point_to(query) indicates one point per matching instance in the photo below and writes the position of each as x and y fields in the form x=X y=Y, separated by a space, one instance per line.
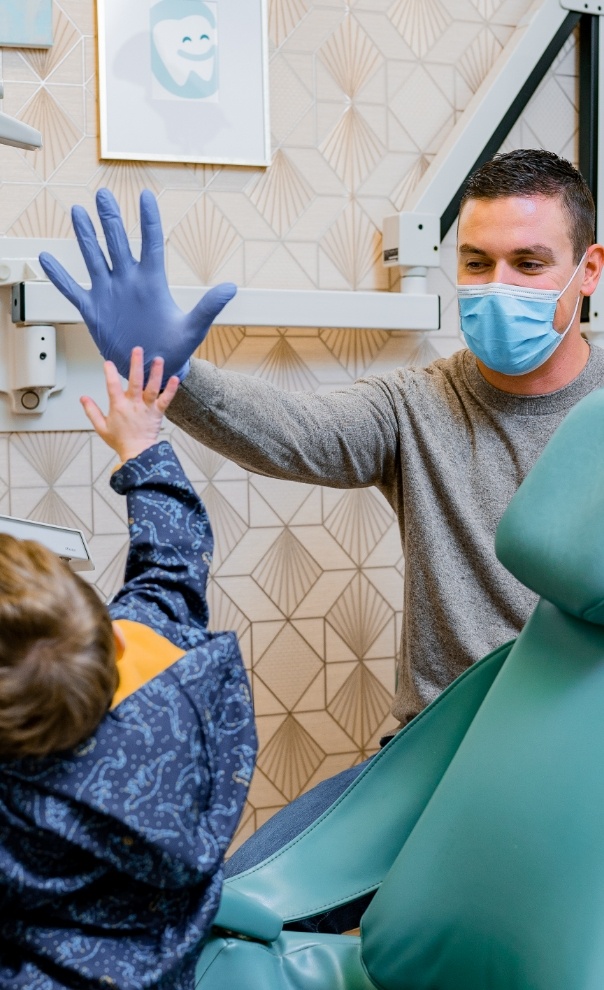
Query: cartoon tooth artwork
x=184 y=48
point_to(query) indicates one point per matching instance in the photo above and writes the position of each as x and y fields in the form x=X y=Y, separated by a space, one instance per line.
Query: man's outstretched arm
x=346 y=439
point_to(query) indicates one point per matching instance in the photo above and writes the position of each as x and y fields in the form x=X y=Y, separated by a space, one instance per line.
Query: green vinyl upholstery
x=487 y=846
x=502 y=880
x=294 y=961
x=501 y=885
x=348 y=851
x=551 y=536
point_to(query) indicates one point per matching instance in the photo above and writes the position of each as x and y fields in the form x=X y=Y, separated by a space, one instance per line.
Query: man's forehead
x=537 y=199
x=525 y=222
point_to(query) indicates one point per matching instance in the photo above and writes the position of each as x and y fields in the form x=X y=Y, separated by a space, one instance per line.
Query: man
x=448 y=445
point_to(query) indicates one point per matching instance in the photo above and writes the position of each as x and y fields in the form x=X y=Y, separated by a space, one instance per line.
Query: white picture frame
x=184 y=81
x=26 y=23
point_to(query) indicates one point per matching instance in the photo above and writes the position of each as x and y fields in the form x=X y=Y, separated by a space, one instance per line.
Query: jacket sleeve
x=347 y=438
x=170 y=548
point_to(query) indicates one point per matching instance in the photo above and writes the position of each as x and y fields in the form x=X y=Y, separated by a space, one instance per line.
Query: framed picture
x=184 y=81
x=26 y=23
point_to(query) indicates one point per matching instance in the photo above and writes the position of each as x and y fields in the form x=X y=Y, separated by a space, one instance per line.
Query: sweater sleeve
x=345 y=439
x=170 y=549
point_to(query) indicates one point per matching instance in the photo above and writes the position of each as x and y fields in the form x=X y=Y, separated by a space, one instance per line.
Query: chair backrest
x=551 y=536
x=500 y=885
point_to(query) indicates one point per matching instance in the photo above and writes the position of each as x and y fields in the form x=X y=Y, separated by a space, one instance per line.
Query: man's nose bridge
x=502 y=272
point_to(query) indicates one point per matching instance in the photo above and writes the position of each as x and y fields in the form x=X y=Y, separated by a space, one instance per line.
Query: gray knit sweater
x=447 y=450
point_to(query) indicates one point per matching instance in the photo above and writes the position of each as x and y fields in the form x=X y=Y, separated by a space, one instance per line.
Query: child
x=127 y=738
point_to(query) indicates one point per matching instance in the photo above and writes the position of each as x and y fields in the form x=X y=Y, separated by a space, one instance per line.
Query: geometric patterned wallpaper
x=362 y=96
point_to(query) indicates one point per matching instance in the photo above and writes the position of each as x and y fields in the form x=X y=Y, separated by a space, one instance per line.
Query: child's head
x=58 y=668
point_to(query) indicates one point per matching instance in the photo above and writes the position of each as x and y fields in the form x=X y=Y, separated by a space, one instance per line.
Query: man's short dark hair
x=535 y=172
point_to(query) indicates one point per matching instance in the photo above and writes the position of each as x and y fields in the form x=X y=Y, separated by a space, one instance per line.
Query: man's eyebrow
x=470 y=249
x=540 y=250
x=537 y=250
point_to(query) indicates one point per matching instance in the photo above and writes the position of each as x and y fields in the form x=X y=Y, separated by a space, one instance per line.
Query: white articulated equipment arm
x=463 y=146
x=483 y=124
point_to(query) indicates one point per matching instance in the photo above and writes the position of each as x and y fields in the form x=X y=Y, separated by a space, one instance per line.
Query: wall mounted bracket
x=37 y=302
x=28 y=299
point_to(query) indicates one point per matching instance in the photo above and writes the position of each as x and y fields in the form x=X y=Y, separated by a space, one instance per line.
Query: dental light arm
x=17 y=134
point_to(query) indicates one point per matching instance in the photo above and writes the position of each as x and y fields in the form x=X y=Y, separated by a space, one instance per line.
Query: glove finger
x=96 y=263
x=209 y=306
x=63 y=281
x=115 y=233
x=152 y=248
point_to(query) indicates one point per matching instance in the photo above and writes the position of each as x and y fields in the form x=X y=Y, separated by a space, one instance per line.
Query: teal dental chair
x=481 y=824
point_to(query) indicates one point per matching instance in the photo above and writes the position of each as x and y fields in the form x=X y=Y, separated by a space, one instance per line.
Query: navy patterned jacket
x=111 y=856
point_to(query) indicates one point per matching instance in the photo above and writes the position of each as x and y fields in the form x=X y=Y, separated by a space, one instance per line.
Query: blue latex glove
x=129 y=304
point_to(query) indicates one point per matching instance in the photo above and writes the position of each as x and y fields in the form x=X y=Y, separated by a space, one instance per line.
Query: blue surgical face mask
x=509 y=327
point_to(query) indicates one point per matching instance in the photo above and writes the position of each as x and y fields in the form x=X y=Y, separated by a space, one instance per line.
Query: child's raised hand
x=135 y=414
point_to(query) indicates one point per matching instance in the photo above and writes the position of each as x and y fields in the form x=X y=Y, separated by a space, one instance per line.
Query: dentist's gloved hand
x=129 y=304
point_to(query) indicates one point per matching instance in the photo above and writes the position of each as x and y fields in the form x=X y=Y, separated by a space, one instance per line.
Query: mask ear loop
x=563 y=334
x=572 y=317
x=562 y=291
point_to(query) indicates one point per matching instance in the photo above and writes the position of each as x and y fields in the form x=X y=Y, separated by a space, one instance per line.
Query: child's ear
x=120 y=641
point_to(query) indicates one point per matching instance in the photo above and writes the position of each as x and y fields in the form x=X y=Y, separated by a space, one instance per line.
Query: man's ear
x=120 y=641
x=594 y=263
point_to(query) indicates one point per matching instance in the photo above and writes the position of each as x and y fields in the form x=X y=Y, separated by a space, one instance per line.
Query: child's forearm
x=171 y=541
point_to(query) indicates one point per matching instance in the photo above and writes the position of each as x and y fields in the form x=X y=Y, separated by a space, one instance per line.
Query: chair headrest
x=551 y=536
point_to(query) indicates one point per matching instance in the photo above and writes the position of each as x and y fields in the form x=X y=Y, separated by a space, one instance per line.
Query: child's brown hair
x=58 y=668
